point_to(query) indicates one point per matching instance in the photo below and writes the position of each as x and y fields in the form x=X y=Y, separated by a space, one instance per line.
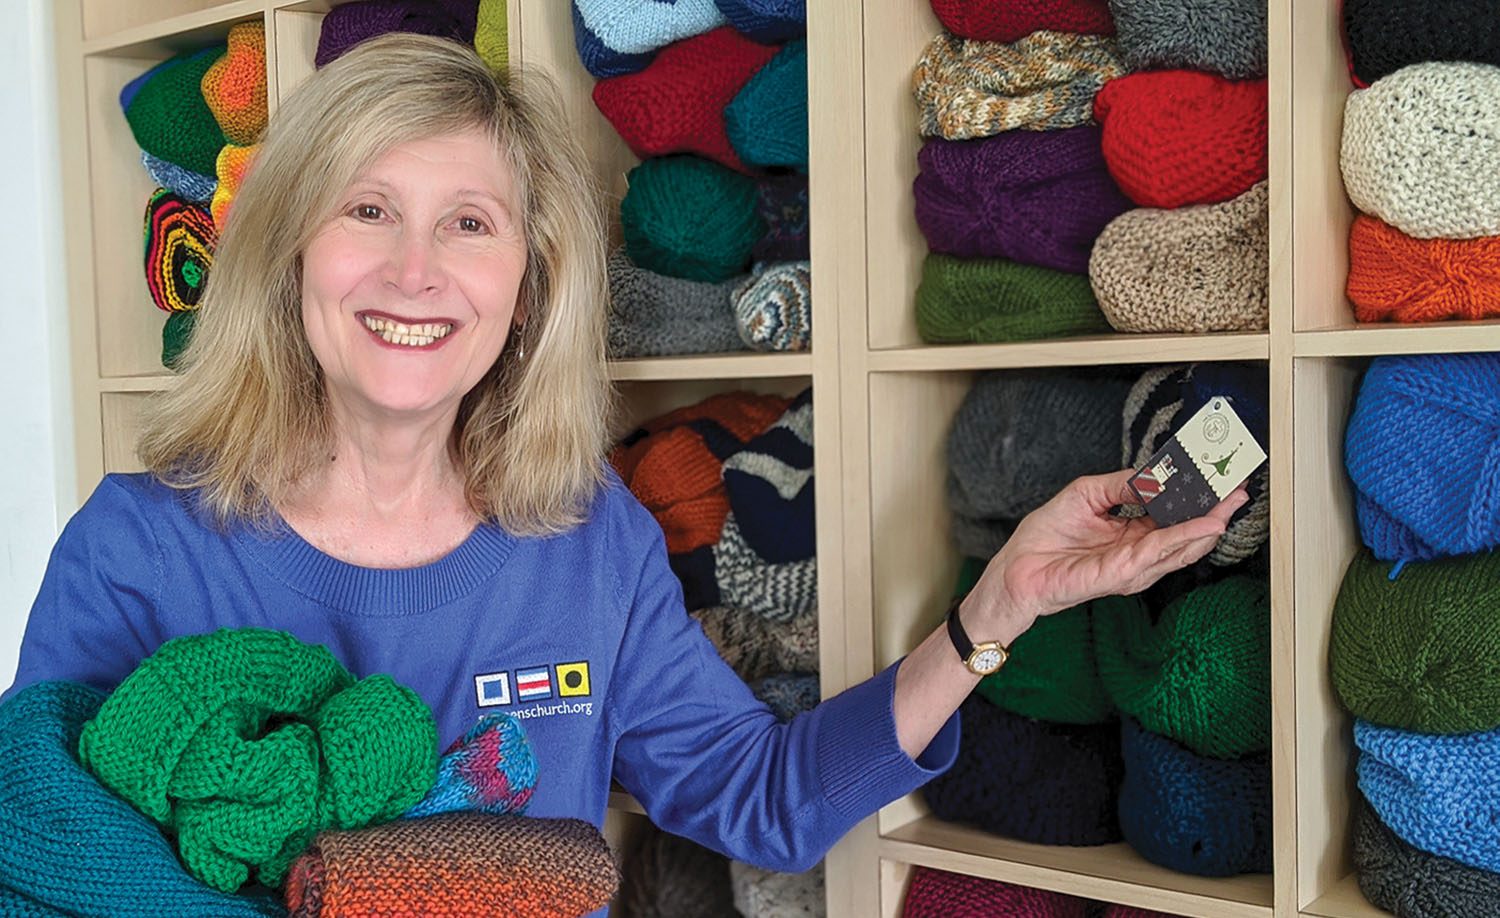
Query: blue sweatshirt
x=583 y=636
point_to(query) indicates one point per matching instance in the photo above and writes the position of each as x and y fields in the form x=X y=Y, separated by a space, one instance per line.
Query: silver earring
x=521 y=348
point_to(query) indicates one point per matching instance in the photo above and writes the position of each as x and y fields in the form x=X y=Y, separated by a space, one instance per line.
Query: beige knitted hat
x=1044 y=82
x=1421 y=150
x=1193 y=269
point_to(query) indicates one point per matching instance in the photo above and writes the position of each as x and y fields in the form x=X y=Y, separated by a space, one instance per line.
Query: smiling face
x=409 y=290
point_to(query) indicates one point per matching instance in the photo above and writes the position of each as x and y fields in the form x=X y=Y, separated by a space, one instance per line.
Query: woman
x=389 y=439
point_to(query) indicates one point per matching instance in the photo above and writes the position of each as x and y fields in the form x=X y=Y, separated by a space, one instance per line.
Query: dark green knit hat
x=687 y=217
x=1201 y=673
x=168 y=115
x=1421 y=652
x=245 y=744
x=989 y=300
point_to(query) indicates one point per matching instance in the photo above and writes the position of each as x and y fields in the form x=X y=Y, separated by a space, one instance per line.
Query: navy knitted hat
x=770 y=486
x=1208 y=817
x=769 y=22
x=616 y=37
x=1408 y=881
x=1439 y=413
x=1386 y=35
x=781 y=202
x=1053 y=784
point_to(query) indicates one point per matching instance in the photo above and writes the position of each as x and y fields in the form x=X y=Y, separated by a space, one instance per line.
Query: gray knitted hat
x=664 y=876
x=653 y=315
x=779 y=592
x=1412 y=883
x=754 y=646
x=765 y=894
x=773 y=308
x=1227 y=37
x=1195 y=269
x=1421 y=150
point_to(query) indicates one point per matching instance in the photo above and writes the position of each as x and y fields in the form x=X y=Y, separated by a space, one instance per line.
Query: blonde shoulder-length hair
x=249 y=414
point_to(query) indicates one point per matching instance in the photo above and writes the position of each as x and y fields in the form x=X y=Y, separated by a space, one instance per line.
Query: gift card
x=1203 y=461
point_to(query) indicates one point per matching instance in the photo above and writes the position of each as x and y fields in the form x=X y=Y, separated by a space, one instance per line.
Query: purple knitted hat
x=351 y=23
x=1038 y=197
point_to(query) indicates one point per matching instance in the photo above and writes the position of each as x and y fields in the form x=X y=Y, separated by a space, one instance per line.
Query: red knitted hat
x=676 y=105
x=1013 y=20
x=1393 y=277
x=1177 y=137
x=939 y=894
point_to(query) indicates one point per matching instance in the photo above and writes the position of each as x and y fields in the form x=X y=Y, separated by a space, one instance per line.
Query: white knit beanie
x=762 y=894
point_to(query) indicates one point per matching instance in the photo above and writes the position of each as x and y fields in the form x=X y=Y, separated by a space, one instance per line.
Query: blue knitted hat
x=187 y=184
x=616 y=37
x=1053 y=784
x=767 y=120
x=1438 y=793
x=770 y=486
x=1208 y=817
x=1439 y=414
x=769 y=22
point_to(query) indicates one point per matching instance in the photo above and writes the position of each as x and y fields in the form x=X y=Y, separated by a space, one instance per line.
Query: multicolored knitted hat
x=1037 y=197
x=1200 y=673
x=1227 y=37
x=490 y=769
x=754 y=646
x=773 y=308
x=939 y=894
x=677 y=104
x=1421 y=148
x=767 y=894
x=1409 y=882
x=180 y=242
x=189 y=185
x=1382 y=36
x=244 y=744
x=1436 y=412
x=168 y=115
x=767 y=119
x=987 y=21
x=1438 y=793
x=1421 y=652
x=767 y=21
x=235 y=86
x=234 y=164
x=781 y=201
x=770 y=486
x=1192 y=270
x=176 y=335
x=616 y=37
x=780 y=591
x=491 y=35
x=1045 y=81
x=1192 y=814
x=1175 y=137
x=72 y=847
x=1052 y=784
x=348 y=24
x=455 y=865
x=687 y=217
x=665 y=876
x=652 y=315
x=788 y=694
x=993 y=300
x=1393 y=277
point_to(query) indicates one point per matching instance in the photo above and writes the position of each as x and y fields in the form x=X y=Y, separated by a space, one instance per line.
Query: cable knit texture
x=766 y=894
x=755 y=647
x=938 y=894
x=1194 y=814
x=1409 y=882
x=1053 y=784
x=767 y=119
x=1175 y=137
x=687 y=217
x=1043 y=82
x=1385 y=35
x=994 y=300
x=1396 y=278
x=1191 y=270
x=1421 y=652
x=1438 y=413
x=1421 y=149
x=244 y=744
x=1227 y=37
x=1438 y=793
x=1036 y=197
x=986 y=20
x=766 y=21
x=773 y=308
x=1200 y=673
x=348 y=24
x=235 y=86
x=653 y=315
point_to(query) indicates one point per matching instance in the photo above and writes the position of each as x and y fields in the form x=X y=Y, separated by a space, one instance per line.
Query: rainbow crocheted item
x=180 y=242
x=235 y=86
x=490 y=769
x=233 y=163
x=686 y=217
x=766 y=121
x=244 y=744
x=168 y=115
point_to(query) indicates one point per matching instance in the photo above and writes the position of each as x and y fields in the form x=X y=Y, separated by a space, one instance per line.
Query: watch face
x=986 y=661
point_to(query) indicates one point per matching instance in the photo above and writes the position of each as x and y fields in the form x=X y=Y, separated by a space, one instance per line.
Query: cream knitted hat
x=765 y=894
x=1421 y=150
x=1193 y=269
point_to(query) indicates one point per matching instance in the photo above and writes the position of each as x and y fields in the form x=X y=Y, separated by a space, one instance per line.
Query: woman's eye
x=368 y=212
x=471 y=225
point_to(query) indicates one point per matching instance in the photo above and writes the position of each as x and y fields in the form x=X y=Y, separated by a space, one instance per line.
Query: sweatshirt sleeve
x=98 y=597
x=710 y=762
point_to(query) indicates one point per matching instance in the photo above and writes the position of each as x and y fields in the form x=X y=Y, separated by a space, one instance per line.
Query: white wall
x=37 y=489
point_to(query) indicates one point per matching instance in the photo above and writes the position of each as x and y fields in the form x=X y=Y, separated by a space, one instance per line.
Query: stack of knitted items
x=932 y=893
x=1185 y=137
x=711 y=95
x=1415 y=648
x=1012 y=189
x=1420 y=149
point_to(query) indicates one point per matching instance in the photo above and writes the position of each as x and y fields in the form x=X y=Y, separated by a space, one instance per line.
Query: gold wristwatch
x=982 y=659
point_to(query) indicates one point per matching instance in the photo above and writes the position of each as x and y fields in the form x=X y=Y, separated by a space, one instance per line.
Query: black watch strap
x=956 y=632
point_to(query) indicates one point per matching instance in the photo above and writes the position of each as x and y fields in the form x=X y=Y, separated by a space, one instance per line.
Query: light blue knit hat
x=616 y=37
x=767 y=119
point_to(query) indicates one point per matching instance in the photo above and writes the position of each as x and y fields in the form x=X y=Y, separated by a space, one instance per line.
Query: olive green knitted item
x=1201 y=673
x=687 y=217
x=491 y=38
x=993 y=300
x=245 y=744
x=1421 y=652
x=171 y=120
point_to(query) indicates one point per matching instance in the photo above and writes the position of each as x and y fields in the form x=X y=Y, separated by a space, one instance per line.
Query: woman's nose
x=416 y=266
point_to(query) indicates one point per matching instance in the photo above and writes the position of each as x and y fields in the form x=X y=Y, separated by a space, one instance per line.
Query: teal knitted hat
x=767 y=120
x=168 y=115
x=687 y=217
x=993 y=300
x=244 y=744
x=1201 y=673
x=176 y=334
x=1421 y=652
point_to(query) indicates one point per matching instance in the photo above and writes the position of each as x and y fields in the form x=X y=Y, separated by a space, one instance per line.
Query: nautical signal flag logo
x=533 y=684
x=572 y=679
x=492 y=689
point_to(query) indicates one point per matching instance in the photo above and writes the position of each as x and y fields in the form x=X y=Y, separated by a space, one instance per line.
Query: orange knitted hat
x=1396 y=278
x=235 y=86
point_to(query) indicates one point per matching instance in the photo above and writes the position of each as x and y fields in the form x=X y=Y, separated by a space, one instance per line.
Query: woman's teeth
x=411 y=335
